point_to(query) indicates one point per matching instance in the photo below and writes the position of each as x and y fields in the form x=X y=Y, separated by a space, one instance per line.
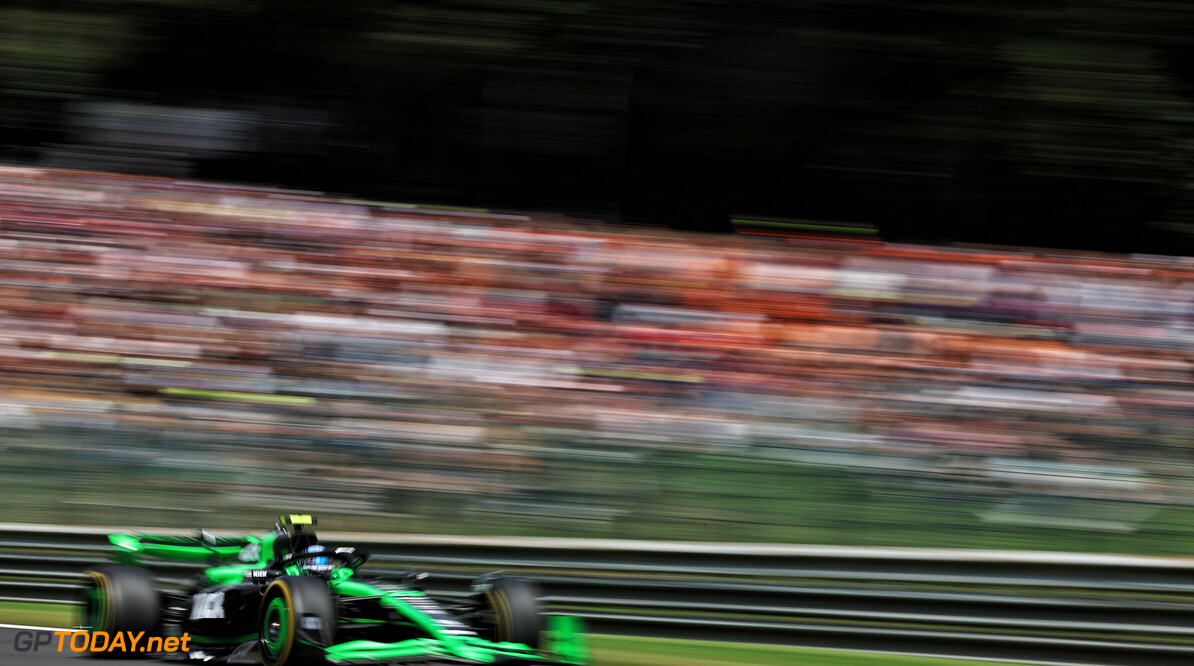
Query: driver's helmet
x=315 y=555
x=315 y=558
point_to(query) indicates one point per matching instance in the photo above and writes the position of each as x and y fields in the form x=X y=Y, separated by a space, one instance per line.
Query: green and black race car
x=284 y=599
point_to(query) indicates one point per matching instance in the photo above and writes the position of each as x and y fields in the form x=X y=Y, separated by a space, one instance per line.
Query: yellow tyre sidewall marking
x=105 y=587
x=284 y=654
x=501 y=616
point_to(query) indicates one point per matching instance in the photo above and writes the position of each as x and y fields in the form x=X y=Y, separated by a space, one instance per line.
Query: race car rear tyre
x=296 y=623
x=118 y=599
x=508 y=612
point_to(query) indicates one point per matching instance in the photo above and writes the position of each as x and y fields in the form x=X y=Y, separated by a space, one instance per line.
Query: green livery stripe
x=374 y=651
x=566 y=639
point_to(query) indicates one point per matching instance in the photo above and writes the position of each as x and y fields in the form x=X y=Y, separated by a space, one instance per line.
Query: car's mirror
x=352 y=557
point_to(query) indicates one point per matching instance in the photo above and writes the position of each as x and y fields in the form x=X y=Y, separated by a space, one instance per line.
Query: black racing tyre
x=120 y=599
x=508 y=611
x=296 y=622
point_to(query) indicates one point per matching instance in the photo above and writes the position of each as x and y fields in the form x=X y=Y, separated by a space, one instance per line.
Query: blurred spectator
x=459 y=345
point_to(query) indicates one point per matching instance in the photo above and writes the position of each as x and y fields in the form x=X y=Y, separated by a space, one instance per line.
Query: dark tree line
x=1064 y=123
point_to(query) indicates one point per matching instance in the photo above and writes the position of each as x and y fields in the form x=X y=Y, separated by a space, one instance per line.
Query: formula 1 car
x=283 y=599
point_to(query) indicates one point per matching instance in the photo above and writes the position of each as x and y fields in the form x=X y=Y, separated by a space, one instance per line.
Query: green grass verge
x=610 y=650
x=633 y=651
x=37 y=615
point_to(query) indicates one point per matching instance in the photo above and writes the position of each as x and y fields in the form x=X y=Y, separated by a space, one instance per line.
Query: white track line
x=31 y=627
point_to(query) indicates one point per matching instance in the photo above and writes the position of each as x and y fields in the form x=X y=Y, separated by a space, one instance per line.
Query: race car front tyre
x=296 y=623
x=508 y=611
x=118 y=599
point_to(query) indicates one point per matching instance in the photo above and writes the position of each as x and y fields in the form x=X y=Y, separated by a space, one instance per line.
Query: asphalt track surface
x=48 y=655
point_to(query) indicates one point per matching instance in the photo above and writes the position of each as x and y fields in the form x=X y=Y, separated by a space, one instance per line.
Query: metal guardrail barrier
x=1039 y=607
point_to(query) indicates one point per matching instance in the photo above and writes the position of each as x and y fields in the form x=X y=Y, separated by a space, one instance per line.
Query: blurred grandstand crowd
x=376 y=356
